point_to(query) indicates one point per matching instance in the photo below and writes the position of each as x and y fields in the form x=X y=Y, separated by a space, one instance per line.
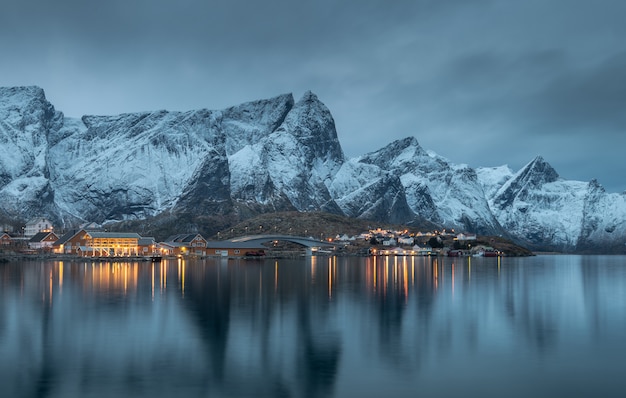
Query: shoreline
x=6 y=258
x=11 y=257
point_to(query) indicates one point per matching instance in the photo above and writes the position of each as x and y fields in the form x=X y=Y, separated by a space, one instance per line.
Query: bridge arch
x=300 y=240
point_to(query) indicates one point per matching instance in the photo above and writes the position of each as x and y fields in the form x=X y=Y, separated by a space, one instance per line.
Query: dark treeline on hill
x=318 y=225
x=313 y=224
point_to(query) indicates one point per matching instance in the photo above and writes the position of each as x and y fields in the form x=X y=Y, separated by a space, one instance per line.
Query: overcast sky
x=482 y=82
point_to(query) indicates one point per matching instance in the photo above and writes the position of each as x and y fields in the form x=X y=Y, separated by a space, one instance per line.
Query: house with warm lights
x=406 y=240
x=5 y=239
x=234 y=249
x=465 y=237
x=70 y=242
x=96 y=243
x=113 y=243
x=42 y=240
x=184 y=245
x=146 y=246
x=36 y=225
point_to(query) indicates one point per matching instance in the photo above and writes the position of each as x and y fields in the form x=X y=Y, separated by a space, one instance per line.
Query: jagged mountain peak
x=312 y=124
x=402 y=153
x=445 y=193
x=399 y=146
x=533 y=176
x=251 y=111
x=538 y=172
x=18 y=94
x=26 y=121
x=309 y=96
x=24 y=105
x=404 y=144
x=595 y=186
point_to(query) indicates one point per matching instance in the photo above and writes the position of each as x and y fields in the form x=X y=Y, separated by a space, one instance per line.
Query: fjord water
x=542 y=326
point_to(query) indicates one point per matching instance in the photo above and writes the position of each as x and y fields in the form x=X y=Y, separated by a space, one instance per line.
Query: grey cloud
x=459 y=75
x=592 y=98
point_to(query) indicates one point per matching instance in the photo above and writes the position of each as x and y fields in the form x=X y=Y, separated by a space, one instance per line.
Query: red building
x=5 y=239
x=183 y=245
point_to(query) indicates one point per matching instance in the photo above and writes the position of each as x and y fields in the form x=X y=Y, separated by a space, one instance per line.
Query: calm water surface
x=544 y=326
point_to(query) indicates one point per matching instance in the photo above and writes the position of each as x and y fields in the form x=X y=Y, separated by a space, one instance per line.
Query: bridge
x=309 y=243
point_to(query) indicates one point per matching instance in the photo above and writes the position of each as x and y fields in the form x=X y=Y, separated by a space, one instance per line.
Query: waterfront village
x=38 y=237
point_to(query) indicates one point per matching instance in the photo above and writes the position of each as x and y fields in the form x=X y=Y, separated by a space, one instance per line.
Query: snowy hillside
x=537 y=206
x=492 y=178
x=26 y=120
x=435 y=189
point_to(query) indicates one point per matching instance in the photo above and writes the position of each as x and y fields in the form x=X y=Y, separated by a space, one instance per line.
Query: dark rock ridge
x=273 y=155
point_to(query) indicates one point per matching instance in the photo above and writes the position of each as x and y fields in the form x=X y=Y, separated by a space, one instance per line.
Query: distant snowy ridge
x=272 y=155
x=541 y=209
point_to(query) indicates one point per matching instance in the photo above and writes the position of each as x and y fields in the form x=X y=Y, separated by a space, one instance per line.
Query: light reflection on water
x=317 y=327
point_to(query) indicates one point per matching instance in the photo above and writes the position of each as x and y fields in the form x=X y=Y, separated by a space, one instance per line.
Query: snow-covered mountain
x=272 y=155
x=543 y=210
x=26 y=123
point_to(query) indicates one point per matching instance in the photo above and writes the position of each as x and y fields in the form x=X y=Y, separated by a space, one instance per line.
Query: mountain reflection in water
x=315 y=327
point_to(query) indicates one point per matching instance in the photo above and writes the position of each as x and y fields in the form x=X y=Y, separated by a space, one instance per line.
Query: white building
x=389 y=242
x=406 y=240
x=37 y=225
x=466 y=237
x=42 y=240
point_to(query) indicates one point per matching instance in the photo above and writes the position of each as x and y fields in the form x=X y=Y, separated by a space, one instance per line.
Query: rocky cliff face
x=416 y=185
x=542 y=210
x=27 y=121
x=273 y=155
x=292 y=164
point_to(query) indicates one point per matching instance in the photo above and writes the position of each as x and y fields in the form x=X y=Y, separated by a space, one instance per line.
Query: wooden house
x=406 y=240
x=5 y=239
x=92 y=243
x=183 y=245
x=71 y=242
x=36 y=225
x=42 y=240
x=227 y=248
x=146 y=246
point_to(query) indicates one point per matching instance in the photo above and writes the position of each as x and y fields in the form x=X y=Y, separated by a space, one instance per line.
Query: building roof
x=40 y=236
x=183 y=237
x=67 y=236
x=122 y=235
x=172 y=244
x=145 y=241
